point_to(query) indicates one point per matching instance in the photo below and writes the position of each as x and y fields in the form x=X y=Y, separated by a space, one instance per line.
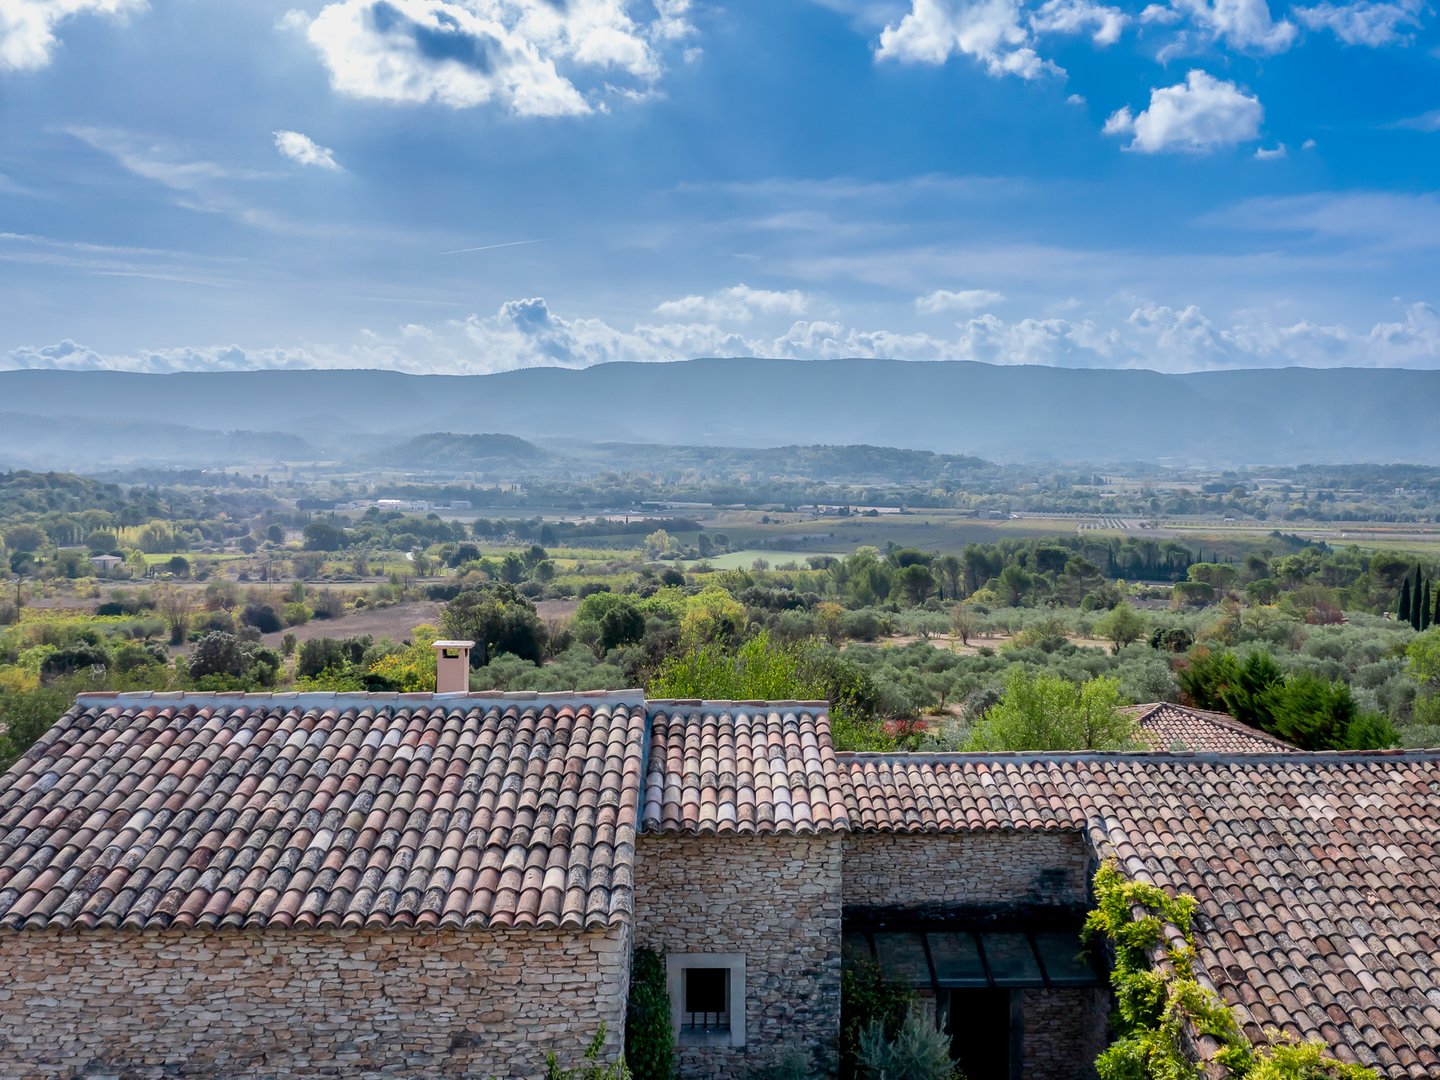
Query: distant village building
x=435 y=885
x=105 y=565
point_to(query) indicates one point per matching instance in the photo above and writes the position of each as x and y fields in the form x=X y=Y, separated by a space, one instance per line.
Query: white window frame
x=676 y=964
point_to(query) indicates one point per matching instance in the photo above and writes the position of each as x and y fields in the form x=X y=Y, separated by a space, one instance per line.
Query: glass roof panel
x=1011 y=960
x=903 y=956
x=957 y=960
x=1060 y=953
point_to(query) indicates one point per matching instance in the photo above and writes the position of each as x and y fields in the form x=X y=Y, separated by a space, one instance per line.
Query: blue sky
x=480 y=185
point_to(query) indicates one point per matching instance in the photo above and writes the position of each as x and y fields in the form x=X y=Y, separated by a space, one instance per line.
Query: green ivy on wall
x=1159 y=1007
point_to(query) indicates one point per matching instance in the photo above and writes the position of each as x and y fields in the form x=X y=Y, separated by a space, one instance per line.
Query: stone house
x=452 y=884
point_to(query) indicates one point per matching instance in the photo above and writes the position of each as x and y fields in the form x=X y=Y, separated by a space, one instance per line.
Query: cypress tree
x=1405 y=599
x=1415 y=601
x=1425 y=607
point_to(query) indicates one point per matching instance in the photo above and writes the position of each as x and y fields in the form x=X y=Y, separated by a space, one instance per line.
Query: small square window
x=707 y=998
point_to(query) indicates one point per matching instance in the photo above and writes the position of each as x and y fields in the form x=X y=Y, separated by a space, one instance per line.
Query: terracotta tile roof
x=1317 y=875
x=742 y=767
x=1178 y=727
x=321 y=810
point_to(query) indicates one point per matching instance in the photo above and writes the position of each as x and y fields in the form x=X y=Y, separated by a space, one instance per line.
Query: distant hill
x=52 y=438
x=445 y=451
x=840 y=464
x=1281 y=416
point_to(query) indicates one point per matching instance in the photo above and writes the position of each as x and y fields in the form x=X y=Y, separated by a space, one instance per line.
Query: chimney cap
x=454 y=645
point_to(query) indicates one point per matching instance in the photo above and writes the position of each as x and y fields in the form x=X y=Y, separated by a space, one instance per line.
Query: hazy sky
x=478 y=185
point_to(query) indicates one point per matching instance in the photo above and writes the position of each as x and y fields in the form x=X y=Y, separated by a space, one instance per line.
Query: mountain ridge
x=1022 y=412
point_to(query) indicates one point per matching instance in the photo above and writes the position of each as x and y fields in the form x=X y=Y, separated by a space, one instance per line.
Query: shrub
x=262 y=617
x=294 y=614
x=868 y=998
x=217 y=653
x=26 y=715
x=649 y=1038
x=72 y=658
x=916 y=1052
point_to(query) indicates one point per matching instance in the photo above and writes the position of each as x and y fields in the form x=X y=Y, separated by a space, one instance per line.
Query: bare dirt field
x=381 y=622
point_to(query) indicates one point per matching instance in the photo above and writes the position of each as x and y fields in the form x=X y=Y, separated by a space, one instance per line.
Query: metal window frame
x=977 y=935
x=676 y=964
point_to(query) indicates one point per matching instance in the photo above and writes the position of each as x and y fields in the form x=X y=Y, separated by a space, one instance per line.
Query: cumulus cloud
x=1270 y=153
x=1104 y=24
x=963 y=300
x=523 y=55
x=304 y=150
x=1190 y=341
x=738 y=303
x=1199 y=115
x=528 y=333
x=27 y=27
x=1159 y=14
x=1365 y=23
x=1241 y=24
x=989 y=31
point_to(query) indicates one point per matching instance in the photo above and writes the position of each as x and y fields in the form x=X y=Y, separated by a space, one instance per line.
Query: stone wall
x=1065 y=1031
x=306 y=1004
x=1002 y=869
x=775 y=899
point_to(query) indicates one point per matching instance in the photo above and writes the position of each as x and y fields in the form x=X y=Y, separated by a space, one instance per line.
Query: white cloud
x=527 y=333
x=1364 y=23
x=1159 y=14
x=1270 y=153
x=523 y=55
x=1241 y=24
x=738 y=303
x=1199 y=115
x=1429 y=121
x=1360 y=222
x=1075 y=99
x=304 y=150
x=989 y=31
x=1103 y=23
x=27 y=27
x=158 y=161
x=964 y=300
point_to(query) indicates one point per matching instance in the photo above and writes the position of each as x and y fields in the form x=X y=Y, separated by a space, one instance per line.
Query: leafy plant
x=868 y=998
x=1049 y=712
x=649 y=1037
x=591 y=1068
x=794 y=1065
x=916 y=1052
x=1160 y=1008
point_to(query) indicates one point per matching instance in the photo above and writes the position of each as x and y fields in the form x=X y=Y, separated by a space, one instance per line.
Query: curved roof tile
x=723 y=767
x=1316 y=874
x=152 y=812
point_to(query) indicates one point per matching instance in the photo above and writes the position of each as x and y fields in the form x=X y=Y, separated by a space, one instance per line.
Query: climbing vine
x=1159 y=1007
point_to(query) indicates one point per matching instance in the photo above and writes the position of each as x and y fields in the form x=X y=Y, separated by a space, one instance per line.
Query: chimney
x=452 y=666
